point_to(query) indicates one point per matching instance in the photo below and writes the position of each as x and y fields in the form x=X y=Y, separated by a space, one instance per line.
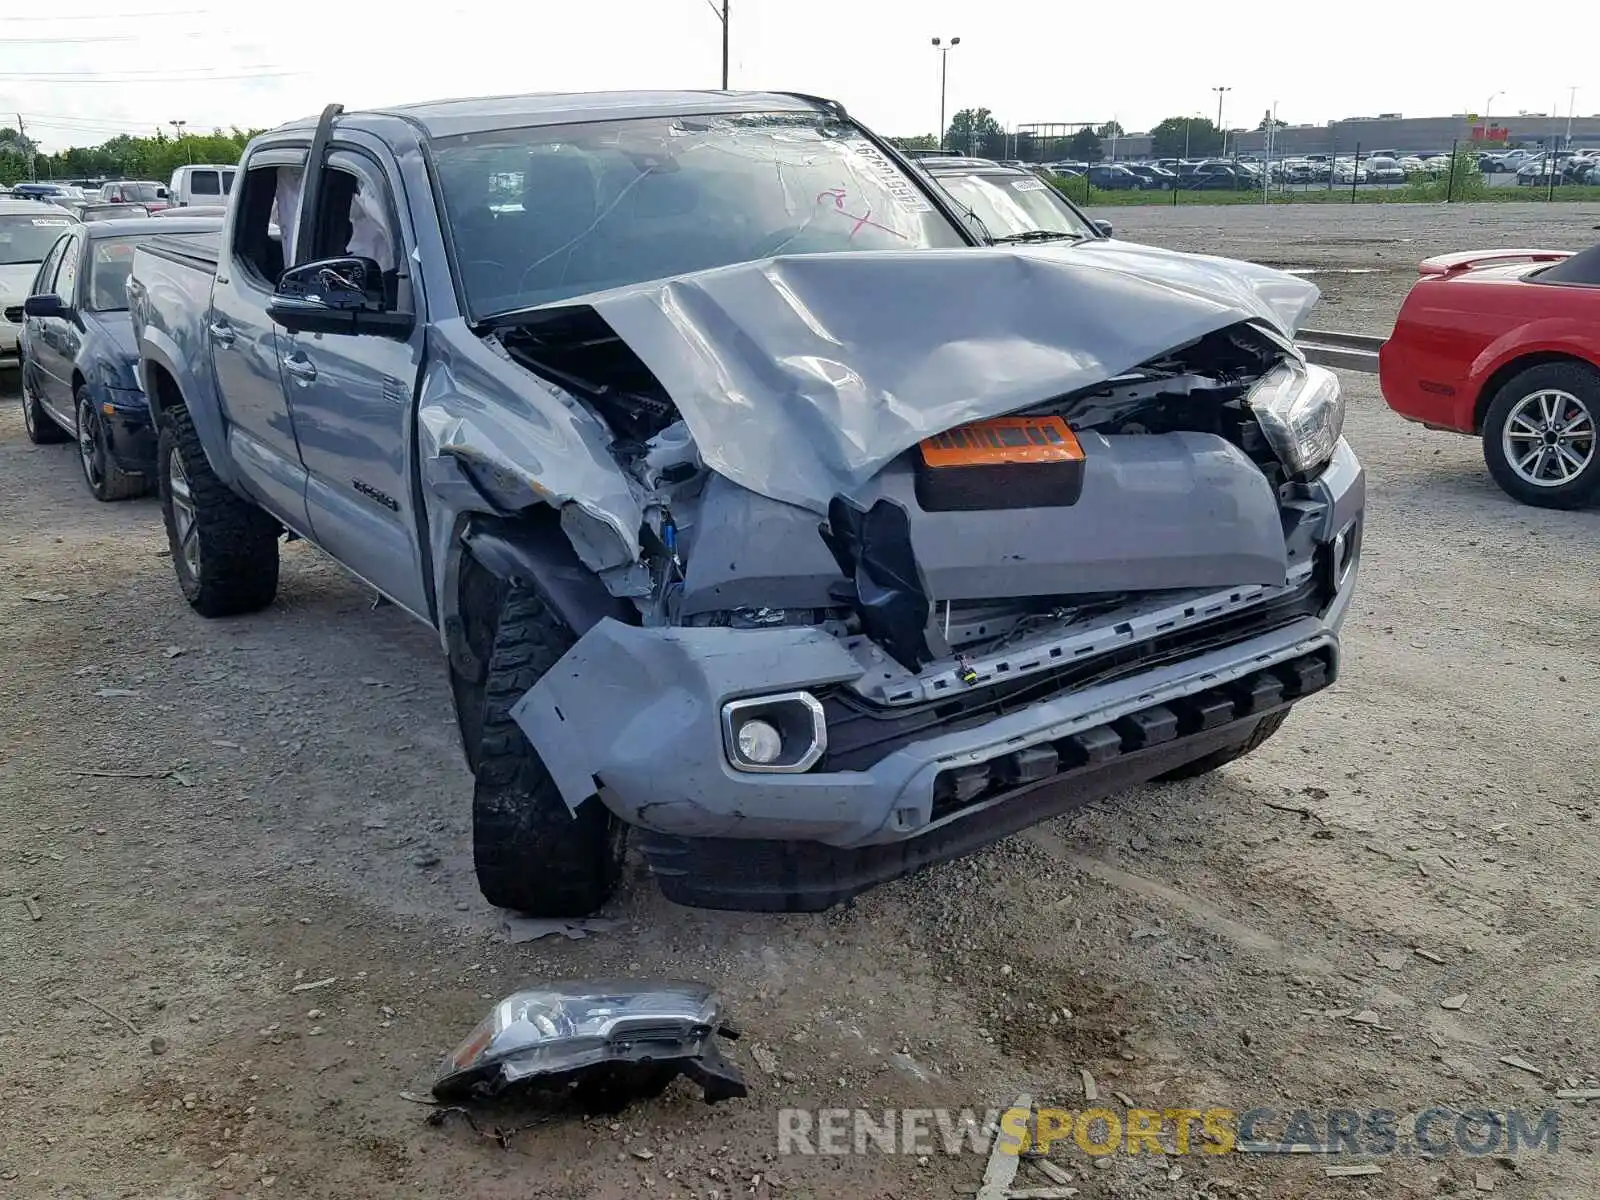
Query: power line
x=66 y=41
x=124 y=79
x=181 y=72
x=119 y=16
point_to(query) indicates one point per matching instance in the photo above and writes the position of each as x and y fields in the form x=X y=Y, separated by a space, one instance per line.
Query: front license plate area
x=1004 y=463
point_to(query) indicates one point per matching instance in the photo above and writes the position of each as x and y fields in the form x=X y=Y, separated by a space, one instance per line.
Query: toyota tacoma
x=766 y=506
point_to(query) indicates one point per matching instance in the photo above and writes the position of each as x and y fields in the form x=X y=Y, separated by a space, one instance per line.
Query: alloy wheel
x=184 y=525
x=1549 y=437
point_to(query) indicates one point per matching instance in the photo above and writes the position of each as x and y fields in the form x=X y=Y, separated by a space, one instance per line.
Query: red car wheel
x=1539 y=435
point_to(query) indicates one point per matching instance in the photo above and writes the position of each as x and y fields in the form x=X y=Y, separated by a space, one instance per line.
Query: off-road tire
x=113 y=483
x=1206 y=763
x=1578 y=380
x=42 y=431
x=238 y=562
x=532 y=853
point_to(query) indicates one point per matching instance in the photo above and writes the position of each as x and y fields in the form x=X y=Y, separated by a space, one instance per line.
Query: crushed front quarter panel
x=803 y=377
x=645 y=703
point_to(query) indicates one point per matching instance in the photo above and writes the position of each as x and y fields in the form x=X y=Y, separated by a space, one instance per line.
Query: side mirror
x=44 y=306
x=1104 y=227
x=337 y=295
x=162 y=193
x=14 y=314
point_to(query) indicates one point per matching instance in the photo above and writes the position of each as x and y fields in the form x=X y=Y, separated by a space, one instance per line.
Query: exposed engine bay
x=890 y=578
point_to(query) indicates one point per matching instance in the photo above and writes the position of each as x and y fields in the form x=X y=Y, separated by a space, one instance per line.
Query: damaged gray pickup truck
x=763 y=504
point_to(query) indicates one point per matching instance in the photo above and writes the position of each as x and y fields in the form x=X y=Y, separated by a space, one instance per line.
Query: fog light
x=760 y=743
x=784 y=733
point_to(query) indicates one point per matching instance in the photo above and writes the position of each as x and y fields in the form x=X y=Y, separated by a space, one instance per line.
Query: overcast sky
x=83 y=71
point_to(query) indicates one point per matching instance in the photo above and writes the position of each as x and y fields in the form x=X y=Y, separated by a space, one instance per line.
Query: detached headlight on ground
x=1301 y=411
x=781 y=734
x=619 y=1037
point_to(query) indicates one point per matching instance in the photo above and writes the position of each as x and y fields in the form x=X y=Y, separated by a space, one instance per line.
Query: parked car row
x=1384 y=168
x=64 y=320
x=191 y=184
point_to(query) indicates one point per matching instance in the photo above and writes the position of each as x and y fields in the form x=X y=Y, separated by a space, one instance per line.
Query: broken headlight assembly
x=1301 y=411
x=602 y=1042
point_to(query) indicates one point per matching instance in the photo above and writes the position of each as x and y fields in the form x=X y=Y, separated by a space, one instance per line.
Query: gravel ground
x=295 y=809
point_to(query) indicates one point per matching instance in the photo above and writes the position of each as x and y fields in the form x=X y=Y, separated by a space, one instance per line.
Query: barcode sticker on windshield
x=1028 y=185
x=893 y=181
x=51 y=221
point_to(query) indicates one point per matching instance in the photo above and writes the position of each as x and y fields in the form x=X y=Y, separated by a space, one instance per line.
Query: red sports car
x=1505 y=344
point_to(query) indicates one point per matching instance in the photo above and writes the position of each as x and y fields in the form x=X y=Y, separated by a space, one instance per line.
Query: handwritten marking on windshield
x=837 y=195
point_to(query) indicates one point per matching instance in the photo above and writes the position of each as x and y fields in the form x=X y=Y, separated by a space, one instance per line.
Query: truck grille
x=1250 y=696
x=860 y=734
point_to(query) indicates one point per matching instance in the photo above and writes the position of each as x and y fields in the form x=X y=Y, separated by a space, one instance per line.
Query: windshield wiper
x=1039 y=235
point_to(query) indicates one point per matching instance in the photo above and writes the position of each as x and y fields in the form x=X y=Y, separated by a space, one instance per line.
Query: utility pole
x=944 y=74
x=722 y=15
x=1221 y=91
x=27 y=148
x=1572 y=97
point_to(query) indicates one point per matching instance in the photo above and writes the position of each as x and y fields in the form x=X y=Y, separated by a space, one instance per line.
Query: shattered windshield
x=1012 y=205
x=540 y=215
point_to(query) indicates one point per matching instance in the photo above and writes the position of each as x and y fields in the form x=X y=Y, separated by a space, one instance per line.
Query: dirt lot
x=295 y=809
x=1363 y=257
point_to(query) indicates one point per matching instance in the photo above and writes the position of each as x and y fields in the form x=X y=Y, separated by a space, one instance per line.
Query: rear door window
x=67 y=281
x=204 y=183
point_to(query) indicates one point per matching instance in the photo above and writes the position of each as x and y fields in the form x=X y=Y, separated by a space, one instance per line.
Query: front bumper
x=130 y=433
x=633 y=714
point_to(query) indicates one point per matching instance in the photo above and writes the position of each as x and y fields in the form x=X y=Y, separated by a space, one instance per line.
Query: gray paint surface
x=1202 y=513
x=636 y=710
x=803 y=377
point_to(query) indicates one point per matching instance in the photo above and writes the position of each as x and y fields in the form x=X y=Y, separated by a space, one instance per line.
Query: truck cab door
x=352 y=396
x=244 y=346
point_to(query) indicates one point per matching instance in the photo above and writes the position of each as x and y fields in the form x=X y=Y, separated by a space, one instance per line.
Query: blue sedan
x=79 y=362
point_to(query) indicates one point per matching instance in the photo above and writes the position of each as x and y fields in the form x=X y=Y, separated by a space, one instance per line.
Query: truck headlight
x=1301 y=411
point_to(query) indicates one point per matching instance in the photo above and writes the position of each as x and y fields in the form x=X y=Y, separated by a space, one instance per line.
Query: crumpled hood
x=803 y=377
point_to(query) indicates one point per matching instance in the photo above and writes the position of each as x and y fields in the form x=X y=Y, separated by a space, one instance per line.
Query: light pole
x=1572 y=98
x=178 y=125
x=1188 y=125
x=1221 y=92
x=1486 y=105
x=944 y=70
x=722 y=15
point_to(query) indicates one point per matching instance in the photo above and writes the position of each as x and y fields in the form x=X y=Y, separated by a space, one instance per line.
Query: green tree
x=1112 y=129
x=1084 y=146
x=124 y=156
x=975 y=131
x=1268 y=119
x=923 y=141
x=1176 y=137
